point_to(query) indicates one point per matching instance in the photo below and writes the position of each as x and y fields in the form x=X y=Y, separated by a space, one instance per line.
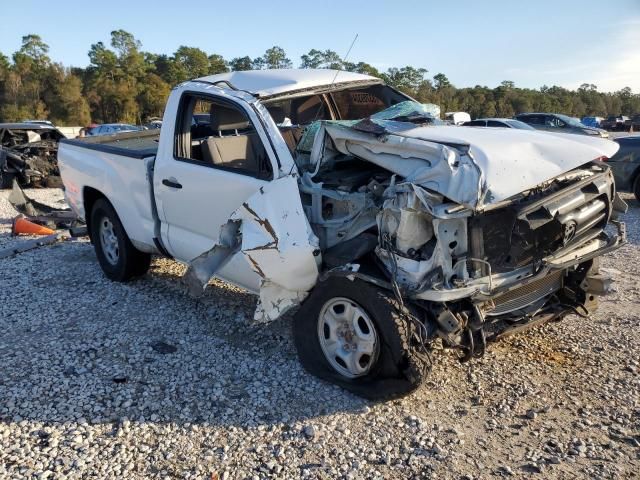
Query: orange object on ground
x=23 y=226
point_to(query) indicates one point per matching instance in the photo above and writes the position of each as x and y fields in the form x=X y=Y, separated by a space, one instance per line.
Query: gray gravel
x=138 y=380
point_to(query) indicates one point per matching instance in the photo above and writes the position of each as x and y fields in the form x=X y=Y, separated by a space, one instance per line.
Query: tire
x=393 y=370
x=636 y=188
x=119 y=259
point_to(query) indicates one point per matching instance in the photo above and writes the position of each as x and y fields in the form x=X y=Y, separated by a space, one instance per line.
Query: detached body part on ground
x=336 y=192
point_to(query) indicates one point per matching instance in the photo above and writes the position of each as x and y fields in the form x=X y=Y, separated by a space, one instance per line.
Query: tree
x=406 y=78
x=363 y=67
x=440 y=81
x=275 y=57
x=190 y=63
x=217 y=64
x=321 y=59
x=240 y=63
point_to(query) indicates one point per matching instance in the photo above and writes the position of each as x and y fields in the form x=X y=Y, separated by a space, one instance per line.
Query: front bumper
x=487 y=288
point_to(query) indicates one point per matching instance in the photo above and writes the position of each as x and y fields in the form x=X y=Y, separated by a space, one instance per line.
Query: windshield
x=570 y=121
x=346 y=104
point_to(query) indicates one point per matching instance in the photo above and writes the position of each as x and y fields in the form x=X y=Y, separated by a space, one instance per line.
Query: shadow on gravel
x=77 y=346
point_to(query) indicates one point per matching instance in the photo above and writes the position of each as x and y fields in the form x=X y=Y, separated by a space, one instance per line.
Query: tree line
x=123 y=83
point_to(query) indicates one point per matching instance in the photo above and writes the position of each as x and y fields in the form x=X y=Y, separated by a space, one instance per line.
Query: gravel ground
x=138 y=380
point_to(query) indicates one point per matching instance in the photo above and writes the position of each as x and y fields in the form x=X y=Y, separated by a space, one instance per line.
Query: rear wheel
x=351 y=334
x=636 y=187
x=119 y=259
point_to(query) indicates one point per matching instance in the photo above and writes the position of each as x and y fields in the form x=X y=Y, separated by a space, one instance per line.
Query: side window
x=475 y=123
x=306 y=110
x=494 y=123
x=220 y=135
x=554 y=122
x=533 y=120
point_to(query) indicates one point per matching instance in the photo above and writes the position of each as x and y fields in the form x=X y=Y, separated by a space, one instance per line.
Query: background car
x=593 y=122
x=633 y=124
x=498 y=122
x=111 y=128
x=457 y=118
x=556 y=122
x=625 y=164
x=614 y=122
x=39 y=122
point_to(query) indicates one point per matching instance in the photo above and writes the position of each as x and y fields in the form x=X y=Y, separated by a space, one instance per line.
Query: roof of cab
x=266 y=83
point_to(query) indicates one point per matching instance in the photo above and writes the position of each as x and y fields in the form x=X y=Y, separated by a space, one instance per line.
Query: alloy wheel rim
x=348 y=337
x=109 y=241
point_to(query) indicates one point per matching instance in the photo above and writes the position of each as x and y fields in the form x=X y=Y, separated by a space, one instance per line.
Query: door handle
x=173 y=183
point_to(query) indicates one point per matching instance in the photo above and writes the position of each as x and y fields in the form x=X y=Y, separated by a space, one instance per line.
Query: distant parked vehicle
x=614 y=122
x=556 y=122
x=625 y=165
x=633 y=124
x=39 y=122
x=498 y=122
x=457 y=118
x=593 y=122
x=111 y=128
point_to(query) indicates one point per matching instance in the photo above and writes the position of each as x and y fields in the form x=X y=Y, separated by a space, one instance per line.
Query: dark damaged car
x=335 y=194
x=28 y=154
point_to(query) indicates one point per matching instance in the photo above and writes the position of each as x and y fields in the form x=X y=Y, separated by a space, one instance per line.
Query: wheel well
x=89 y=197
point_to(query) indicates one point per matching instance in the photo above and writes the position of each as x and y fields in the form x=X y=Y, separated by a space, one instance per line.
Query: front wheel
x=351 y=333
x=119 y=259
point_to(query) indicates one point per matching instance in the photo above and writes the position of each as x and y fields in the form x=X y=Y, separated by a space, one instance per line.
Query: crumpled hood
x=512 y=161
x=471 y=166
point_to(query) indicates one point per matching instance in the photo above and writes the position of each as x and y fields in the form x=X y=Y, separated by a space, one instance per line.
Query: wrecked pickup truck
x=334 y=193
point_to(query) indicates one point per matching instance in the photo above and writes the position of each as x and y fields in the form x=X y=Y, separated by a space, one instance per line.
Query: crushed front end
x=479 y=275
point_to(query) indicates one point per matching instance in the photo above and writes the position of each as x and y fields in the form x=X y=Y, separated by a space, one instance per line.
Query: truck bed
x=117 y=167
x=130 y=144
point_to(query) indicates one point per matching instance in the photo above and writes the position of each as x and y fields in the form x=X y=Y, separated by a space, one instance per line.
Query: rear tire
x=636 y=188
x=392 y=370
x=119 y=259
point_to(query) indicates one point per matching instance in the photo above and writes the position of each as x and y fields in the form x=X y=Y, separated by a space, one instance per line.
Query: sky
x=535 y=43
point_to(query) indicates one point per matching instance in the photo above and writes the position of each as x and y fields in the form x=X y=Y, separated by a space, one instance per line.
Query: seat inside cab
x=226 y=138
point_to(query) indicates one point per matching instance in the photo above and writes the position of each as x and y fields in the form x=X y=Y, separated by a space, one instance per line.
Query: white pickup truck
x=334 y=193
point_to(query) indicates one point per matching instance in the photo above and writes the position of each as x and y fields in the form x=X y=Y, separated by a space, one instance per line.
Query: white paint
x=275 y=82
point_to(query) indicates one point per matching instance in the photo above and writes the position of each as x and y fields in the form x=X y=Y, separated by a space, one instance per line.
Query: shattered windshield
x=398 y=117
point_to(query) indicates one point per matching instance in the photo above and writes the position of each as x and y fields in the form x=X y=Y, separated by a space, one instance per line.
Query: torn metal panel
x=204 y=266
x=280 y=246
x=272 y=232
x=447 y=170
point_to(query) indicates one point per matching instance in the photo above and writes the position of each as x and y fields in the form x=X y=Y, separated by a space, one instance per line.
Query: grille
x=519 y=234
x=527 y=294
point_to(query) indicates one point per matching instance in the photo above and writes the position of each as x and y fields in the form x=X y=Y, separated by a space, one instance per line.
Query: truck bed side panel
x=121 y=179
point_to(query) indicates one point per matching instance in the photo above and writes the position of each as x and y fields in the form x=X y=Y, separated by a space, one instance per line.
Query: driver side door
x=217 y=163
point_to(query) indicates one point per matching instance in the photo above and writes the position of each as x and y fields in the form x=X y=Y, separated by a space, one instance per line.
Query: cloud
x=622 y=68
x=611 y=66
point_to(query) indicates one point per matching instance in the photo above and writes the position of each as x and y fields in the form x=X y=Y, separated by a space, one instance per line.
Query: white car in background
x=499 y=123
x=457 y=118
